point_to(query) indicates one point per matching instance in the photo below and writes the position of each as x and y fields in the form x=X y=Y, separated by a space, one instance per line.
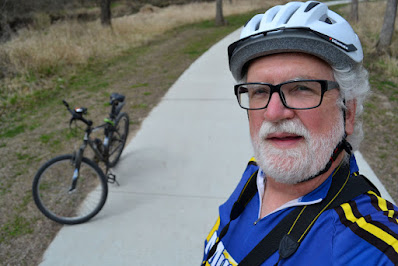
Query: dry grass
x=44 y=52
x=72 y=43
x=369 y=29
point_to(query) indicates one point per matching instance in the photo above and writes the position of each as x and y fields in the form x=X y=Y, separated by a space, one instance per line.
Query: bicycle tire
x=118 y=138
x=51 y=194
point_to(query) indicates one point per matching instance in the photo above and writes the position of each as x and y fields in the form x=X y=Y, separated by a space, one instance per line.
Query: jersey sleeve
x=366 y=232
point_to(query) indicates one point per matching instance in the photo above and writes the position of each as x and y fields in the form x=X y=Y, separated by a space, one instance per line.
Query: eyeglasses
x=296 y=94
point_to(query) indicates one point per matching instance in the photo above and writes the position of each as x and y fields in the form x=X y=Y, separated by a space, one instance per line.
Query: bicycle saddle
x=116 y=97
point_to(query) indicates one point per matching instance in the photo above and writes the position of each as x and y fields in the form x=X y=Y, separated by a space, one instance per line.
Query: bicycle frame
x=116 y=110
x=90 y=142
x=104 y=155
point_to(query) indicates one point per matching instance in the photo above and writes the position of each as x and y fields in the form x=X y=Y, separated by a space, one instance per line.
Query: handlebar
x=77 y=116
x=66 y=104
x=116 y=100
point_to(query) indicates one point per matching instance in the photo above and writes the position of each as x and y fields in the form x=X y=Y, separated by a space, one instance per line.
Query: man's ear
x=350 y=116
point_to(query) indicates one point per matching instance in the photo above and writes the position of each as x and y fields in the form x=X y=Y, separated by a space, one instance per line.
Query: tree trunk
x=388 y=27
x=5 y=30
x=219 y=14
x=354 y=10
x=106 y=12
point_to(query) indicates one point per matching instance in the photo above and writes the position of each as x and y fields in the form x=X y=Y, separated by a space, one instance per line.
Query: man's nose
x=276 y=111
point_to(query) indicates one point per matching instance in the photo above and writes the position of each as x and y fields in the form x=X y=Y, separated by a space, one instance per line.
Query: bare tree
x=354 y=10
x=219 y=13
x=388 y=27
x=106 y=12
x=5 y=30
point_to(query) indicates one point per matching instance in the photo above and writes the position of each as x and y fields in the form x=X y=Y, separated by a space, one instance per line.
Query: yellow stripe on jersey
x=370 y=228
x=215 y=228
x=229 y=258
x=382 y=203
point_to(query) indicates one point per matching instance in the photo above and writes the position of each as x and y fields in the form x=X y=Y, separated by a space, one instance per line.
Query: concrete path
x=183 y=163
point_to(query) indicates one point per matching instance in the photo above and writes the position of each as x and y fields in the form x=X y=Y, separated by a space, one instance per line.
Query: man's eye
x=302 y=89
x=260 y=91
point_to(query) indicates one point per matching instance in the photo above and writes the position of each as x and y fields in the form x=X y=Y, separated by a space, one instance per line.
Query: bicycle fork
x=110 y=176
x=74 y=180
x=77 y=160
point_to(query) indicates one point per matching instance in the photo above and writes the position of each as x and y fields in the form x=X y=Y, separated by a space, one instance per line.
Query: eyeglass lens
x=298 y=95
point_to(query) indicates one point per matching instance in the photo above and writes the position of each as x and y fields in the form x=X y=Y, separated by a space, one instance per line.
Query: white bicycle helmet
x=308 y=27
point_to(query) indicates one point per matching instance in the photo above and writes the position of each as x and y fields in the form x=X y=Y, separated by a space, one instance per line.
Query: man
x=301 y=201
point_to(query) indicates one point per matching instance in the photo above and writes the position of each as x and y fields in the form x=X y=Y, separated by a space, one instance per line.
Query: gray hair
x=354 y=85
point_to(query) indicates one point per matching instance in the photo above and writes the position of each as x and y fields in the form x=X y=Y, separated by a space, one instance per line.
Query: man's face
x=292 y=145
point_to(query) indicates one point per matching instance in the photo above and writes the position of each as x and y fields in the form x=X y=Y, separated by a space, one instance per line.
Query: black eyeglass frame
x=326 y=85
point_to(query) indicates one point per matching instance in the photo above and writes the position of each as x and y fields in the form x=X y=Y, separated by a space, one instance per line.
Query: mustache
x=285 y=126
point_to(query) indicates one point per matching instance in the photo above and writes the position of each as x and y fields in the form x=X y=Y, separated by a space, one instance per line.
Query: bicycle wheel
x=118 y=138
x=52 y=195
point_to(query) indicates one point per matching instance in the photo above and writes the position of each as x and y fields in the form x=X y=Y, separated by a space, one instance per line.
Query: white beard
x=294 y=165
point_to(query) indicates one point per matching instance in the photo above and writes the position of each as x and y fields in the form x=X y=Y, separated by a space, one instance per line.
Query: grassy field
x=85 y=63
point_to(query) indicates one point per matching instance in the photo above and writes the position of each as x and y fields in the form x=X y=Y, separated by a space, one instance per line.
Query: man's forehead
x=291 y=66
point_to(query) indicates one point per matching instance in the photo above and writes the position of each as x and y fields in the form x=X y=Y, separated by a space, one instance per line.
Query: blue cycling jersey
x=362 y=231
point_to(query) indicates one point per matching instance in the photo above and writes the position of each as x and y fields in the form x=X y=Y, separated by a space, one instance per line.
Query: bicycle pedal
x=112 y=179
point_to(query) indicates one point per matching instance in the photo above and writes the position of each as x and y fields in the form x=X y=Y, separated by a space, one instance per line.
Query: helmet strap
x=342 y=145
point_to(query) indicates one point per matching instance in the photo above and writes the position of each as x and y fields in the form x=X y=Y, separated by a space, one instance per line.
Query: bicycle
x=71 y=188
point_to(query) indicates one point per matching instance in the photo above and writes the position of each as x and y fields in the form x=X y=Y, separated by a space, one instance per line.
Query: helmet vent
x=257 y=26
x=287 y=20
x=328 y=21
x=293 y=12
x=311 y=6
